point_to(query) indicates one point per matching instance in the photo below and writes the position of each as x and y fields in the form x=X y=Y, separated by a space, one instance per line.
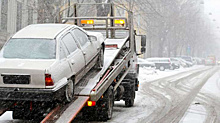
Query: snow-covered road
x=206 y=106
x=164 y=97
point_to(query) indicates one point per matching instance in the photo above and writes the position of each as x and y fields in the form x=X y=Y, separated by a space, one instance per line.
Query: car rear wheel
x=162 y=68
x=69 y=91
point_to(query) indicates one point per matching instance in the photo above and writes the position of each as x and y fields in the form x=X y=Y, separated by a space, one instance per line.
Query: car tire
x=162 y=68
x=69 y=91
x=171 y=67
x=100 y=61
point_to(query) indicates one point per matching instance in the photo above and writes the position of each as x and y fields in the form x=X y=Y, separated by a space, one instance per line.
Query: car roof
x=49 y=31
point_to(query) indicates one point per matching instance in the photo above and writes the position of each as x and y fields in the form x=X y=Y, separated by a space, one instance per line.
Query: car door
x=75 y=56
x=88 y=48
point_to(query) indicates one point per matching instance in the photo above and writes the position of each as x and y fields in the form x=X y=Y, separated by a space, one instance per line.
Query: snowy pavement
x=206 y=106
x=164 y=96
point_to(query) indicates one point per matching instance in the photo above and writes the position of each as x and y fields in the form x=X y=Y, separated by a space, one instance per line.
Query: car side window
x=62 y=51
x=80 y=36
x=69 y=42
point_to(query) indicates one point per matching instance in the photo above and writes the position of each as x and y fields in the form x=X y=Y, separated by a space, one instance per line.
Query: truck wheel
x=109 y=103
x=100 y=62
x=19 y=114
x=130 y=101
x=22 y=112
x=69 y=91
x=162 y=68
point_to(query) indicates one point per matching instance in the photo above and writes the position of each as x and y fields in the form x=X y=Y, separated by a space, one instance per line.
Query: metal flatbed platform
x=66 y=113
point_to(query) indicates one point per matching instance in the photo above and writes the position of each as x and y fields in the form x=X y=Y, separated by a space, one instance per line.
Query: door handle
x=84 y=53
x=72 y=62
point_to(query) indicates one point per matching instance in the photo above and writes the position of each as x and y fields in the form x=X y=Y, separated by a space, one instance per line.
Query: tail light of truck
x=91 y=103
x=48 y=80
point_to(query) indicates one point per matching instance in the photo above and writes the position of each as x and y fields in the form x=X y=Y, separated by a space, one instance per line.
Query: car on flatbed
x=43 y=62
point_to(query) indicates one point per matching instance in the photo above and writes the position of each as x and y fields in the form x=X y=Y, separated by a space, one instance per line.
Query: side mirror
x=143 y=40
x=92 y=38
x=141 y=44
x=143 y=50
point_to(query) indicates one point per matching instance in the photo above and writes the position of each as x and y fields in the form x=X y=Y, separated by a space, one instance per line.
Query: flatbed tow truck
x=117 y=80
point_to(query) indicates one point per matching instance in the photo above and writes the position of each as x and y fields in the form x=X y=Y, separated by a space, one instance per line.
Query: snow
x=213 y=85
x=197 y=113
x=144 y=104
x=144 y=75
x=6 y=116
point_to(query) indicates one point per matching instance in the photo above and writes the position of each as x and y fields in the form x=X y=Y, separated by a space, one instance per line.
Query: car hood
x=25 y=64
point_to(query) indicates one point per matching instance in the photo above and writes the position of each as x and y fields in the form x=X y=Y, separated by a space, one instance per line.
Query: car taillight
x=48 y=80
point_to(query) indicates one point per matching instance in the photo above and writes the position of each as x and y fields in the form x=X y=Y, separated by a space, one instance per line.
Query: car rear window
x=30 y=49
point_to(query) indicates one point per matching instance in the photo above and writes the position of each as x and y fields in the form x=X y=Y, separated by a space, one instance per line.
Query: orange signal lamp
x=122 y=22
x=87 y=21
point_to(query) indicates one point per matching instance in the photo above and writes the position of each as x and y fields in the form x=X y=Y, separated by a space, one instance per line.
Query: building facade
x=14 y=15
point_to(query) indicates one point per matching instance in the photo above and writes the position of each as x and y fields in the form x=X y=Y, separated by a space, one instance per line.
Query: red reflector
x=91 y=103
x=31 y=106
x=48 y=80
x=111 y=46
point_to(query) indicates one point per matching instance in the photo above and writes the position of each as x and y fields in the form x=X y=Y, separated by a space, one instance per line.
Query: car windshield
x=30 y=49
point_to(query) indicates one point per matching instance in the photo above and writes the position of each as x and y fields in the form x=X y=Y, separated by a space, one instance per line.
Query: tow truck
x=117 y=80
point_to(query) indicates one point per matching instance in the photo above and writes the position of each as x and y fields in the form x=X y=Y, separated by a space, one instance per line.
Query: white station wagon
x=43 y=62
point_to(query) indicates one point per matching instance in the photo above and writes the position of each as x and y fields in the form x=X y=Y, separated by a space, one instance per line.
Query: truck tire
x=100 y=62
x=130 y=102
x=69 y=91
x=109 y=103
x=19 y=114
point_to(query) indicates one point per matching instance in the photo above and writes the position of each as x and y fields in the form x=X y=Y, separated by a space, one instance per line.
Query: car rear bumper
x=21 y=94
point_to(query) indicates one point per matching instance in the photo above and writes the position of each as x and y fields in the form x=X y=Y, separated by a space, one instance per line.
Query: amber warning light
x=121 y=22
x=87 y=21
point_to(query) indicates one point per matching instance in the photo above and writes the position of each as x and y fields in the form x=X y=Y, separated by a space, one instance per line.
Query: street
x=170 y=99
